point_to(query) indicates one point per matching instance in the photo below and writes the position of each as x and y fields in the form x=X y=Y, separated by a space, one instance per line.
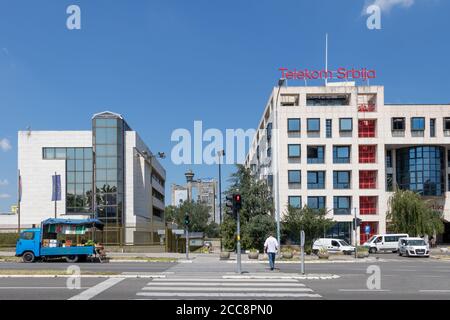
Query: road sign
x=178 y=232
x=367 y=229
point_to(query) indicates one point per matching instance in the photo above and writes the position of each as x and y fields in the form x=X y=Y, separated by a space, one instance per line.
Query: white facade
x=362 y=103
x=143 y=183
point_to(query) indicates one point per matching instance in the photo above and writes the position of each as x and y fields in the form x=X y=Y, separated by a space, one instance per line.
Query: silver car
x=415 y=247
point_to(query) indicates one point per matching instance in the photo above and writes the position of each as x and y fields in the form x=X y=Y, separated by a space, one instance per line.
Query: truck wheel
x=28 y=257
x=372 y=250
x=72 y=259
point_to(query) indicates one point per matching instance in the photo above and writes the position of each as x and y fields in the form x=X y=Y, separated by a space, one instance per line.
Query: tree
x=409 y=213
x=312 y=221
x=198 y=214
x=257 y=230
x=257 y=205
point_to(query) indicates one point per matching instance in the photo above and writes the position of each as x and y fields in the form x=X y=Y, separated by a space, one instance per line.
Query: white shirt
x=271 y=244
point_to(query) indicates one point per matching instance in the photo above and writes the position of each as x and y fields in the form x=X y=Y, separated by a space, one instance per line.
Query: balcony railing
x=367 y=107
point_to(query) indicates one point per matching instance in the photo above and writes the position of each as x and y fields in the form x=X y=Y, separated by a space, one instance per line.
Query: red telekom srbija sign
x=340 y=73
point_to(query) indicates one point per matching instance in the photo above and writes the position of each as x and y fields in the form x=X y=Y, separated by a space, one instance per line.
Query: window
x=289 y=100
x=293 y=150
x=26 y=235
x=313 y=125
x=316 y=179
x=316 y=154
x=327 y=100
x=294 y=176
x=269 y=131
x=366 y=128
x=341 y=154
x=342 y=205
x=345 y=124
x=367 y=179
x=367 y=205
x=389 y=158
x=446 y=124
x=295 y=201
x=341 y=179
x=367 y=153
x=316 y=202
x=48 y=153
x=418 y=124
x=293 y=125
x=389 y=182
x=432 y=128
x=269 y=152
x=329 y=129
x=398 y=124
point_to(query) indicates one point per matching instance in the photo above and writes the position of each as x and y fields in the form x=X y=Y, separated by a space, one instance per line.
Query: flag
x=56 y=194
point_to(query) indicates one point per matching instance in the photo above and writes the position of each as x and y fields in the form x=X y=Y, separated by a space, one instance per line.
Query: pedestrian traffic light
x=187 y=219
x=230 y=205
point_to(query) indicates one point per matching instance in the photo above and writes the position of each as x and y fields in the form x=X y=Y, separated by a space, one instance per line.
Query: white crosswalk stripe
x=219 y=288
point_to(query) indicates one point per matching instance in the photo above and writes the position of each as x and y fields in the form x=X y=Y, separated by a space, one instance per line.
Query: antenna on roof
x=29 y=131
x=326 y=58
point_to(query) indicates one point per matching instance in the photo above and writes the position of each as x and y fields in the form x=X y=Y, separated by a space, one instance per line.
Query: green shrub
x=8 y=239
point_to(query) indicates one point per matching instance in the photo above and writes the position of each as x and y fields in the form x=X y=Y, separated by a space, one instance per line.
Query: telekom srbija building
x=342 y=148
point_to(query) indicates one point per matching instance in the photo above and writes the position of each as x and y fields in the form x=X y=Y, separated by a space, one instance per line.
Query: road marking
x=95 y=290
x=229 y=295
x=364 y=290
x=30 y=288
x=265 y=281
x=230 y=284
x=223 y=289
x=435 y=291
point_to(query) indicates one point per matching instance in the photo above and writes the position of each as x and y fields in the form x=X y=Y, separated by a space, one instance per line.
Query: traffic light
x=356 y=222
x=230 y=205
x=237 y=201
x=187 y=219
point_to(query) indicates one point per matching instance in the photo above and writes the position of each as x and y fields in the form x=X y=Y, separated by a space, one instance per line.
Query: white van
x=384 y=242
x=332 y=245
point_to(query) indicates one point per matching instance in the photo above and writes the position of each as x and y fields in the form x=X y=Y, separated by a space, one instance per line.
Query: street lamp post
x=281 y=82
x=189 y=178
x=220 y=154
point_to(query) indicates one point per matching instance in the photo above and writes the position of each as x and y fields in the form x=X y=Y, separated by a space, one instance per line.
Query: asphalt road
x=400 y=278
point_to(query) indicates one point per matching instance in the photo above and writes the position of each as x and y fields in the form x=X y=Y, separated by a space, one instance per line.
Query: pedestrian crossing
x=220 y=288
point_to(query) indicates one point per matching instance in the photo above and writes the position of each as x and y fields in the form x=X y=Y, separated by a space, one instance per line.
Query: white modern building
x=342 y=148
x=108 y=173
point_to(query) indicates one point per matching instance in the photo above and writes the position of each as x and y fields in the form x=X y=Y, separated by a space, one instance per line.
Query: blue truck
x=45 y=242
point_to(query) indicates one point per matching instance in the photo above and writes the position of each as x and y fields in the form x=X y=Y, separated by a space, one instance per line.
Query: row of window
x=366 y=128
x=341 y=154
x=341 y=179
x=418 y=124
x=341 y=204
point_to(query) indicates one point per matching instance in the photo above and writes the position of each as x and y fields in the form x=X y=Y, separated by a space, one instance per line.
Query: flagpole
x=55 y=192
x=19 y=191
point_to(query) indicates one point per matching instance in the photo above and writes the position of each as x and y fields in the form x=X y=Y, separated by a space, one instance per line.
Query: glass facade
x=341 y=230
x=108 y=135
x=421 y=169
x=79 y=177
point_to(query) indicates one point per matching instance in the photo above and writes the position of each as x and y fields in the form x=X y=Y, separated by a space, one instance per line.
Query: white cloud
x=5 y=145
x=4 y=196
x=3 y=183
x=387 y=5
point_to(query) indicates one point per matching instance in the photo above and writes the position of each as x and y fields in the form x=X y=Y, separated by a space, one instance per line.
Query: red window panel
x=373 y=231
x=367 y=153
x=366 y=128
x=368 y=205
x=367 y=179
x=366 y=107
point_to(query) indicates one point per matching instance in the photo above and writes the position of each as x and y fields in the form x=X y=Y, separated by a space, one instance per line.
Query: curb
x=141 y=261
x=132 y=276
x=310 y=261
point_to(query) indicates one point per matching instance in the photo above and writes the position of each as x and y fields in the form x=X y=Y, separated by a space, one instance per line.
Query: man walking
x=271 y=248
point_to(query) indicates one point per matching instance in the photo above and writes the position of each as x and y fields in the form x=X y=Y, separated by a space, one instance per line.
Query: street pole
x=354 y=227
x=238 y=245
x=187 y=243
x=55 y=191
x=19 y=198
x=302 y=250
x=220 y=153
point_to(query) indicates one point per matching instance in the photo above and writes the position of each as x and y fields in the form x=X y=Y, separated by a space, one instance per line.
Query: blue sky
x=163 y=64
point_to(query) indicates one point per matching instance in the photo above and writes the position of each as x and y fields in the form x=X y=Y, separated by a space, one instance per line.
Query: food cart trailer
x=60 y=238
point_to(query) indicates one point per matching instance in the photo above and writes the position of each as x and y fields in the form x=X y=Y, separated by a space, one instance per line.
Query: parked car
x=413 y=247
x=384 y=242
x=332 y=245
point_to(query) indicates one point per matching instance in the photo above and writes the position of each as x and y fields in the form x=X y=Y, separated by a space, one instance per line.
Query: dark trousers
x=271 y=260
